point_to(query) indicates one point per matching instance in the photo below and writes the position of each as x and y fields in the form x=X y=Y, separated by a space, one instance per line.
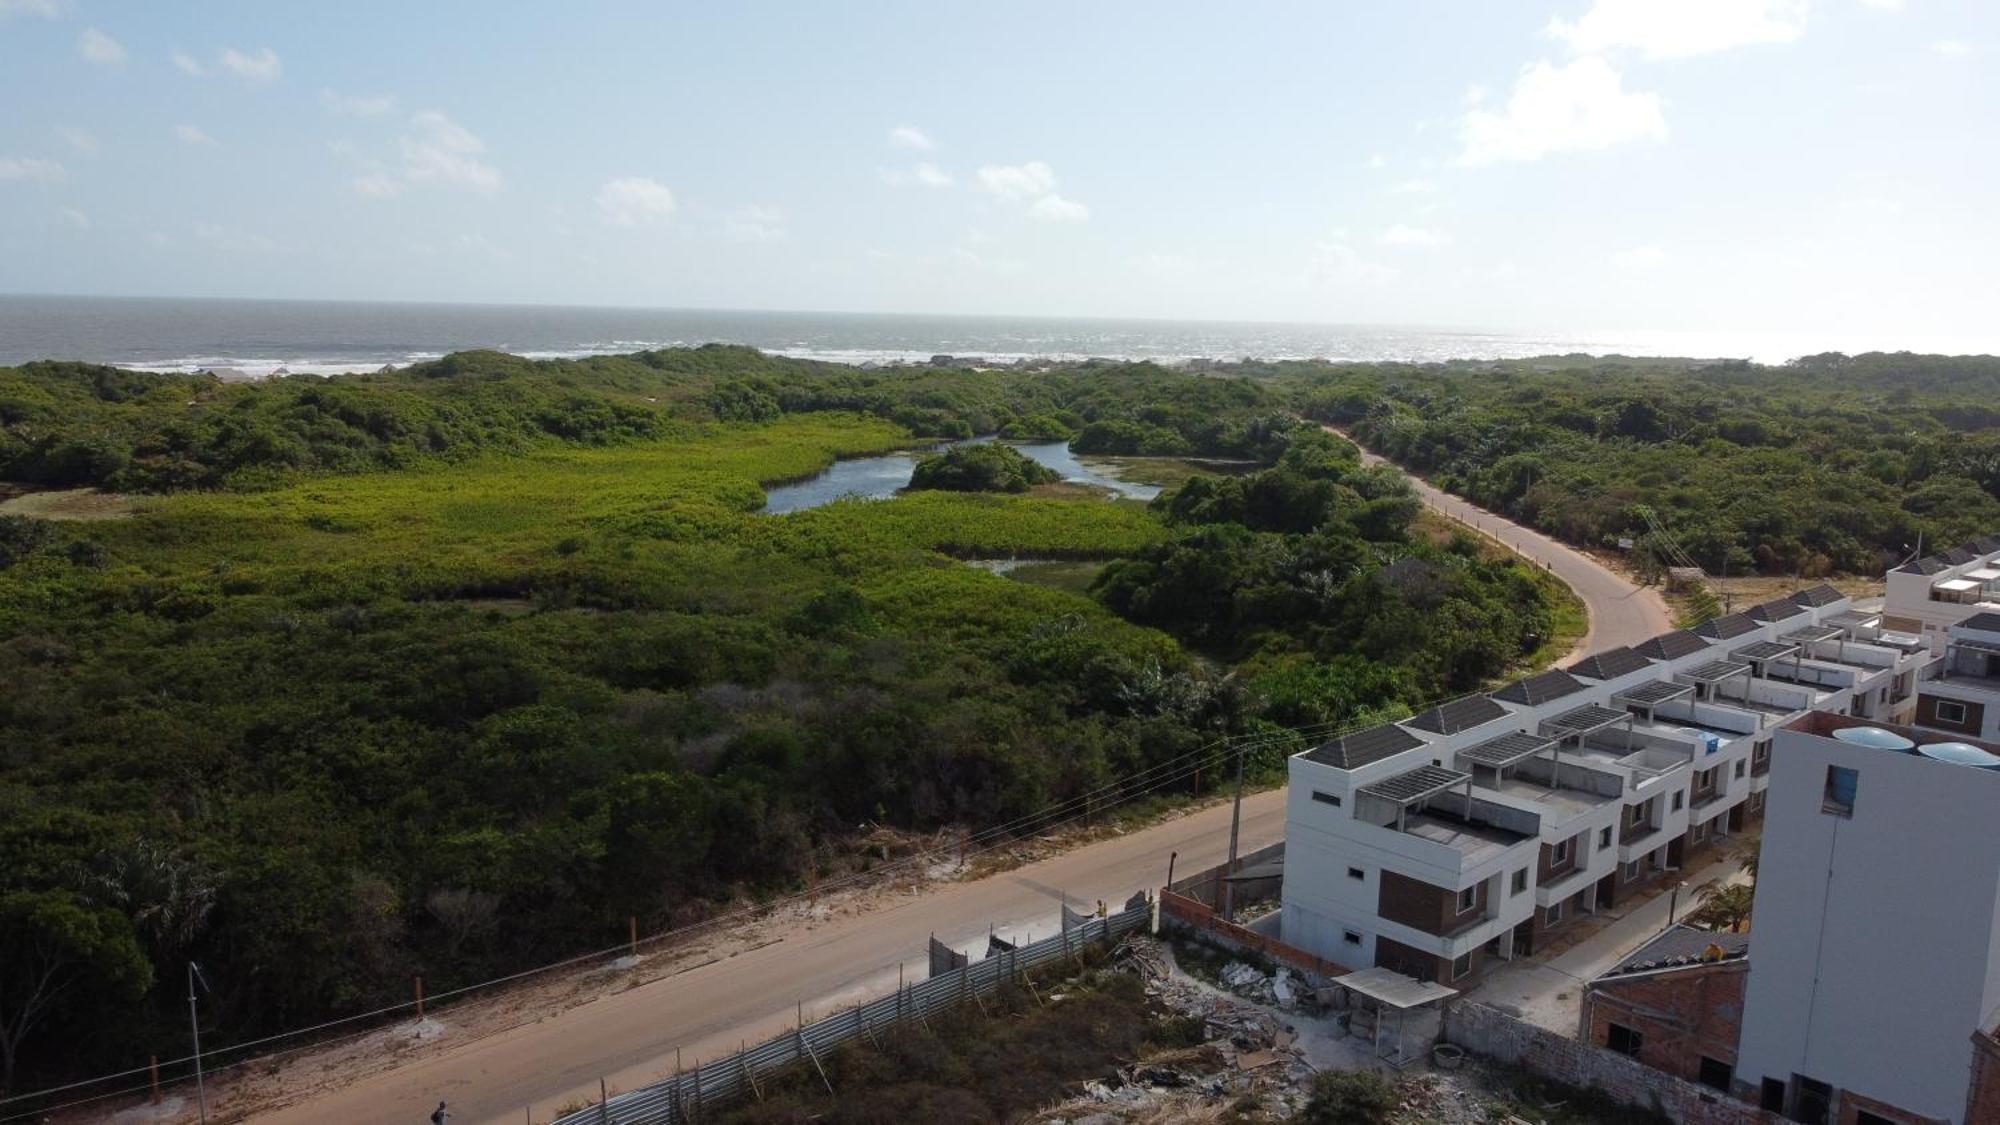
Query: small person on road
x=441 y=1115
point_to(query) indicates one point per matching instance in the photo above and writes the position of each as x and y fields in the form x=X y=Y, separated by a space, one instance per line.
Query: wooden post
x=632 y=921
x=812 y=887
x=420 y=998
x=153 y=1065
x=603 y=1102
x=964 y=843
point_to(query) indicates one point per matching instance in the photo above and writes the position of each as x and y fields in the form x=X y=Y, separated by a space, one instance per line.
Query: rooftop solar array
x=1352 y=751
x=1609 y=664
x=1585 y=719
x=1652 y=693
x=1458 y=715
x=1506 y=750
x=1727 y=628
x=1671 y=646
x=1410 y=787
x=1765 y=650
x=1540 y=688
x=1717 y=670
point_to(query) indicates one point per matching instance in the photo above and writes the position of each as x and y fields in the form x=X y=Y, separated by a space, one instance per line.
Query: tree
x=1724 y=905
x=1350 y=1097
x=60 y=950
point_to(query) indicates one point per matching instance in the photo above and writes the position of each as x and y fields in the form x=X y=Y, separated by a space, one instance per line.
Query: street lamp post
x=194 y=1023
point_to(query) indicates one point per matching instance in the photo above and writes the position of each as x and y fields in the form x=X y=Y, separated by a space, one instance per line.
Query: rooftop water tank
x=1960 y=753
x=1875 y=738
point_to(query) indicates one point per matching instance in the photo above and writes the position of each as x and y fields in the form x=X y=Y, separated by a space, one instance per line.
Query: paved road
x=630 y=1037
x=1620 y=612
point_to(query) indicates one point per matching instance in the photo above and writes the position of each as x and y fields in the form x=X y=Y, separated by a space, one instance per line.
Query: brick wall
x=1425 y=906
x=1190 y=915
x=1975 y=714
x=1681 y=1015
x=1496 y=1035
x=1982 y=1104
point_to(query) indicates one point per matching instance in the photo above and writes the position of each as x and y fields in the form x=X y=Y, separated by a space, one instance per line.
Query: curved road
x=1620 y=613
x=706 y=1012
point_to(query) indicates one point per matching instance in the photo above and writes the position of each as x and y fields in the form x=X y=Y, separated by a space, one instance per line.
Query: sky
x=1804 y=166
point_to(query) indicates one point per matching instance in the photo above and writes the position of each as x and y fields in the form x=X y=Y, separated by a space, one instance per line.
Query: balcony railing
x=1633 y=833
x=1707 y=796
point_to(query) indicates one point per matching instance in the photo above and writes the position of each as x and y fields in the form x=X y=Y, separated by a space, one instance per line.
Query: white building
x=1926 y=596
x=1960 y=692
x=1877 y=929
x=1468 y=832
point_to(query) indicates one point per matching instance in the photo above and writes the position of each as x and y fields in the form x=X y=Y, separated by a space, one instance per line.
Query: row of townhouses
x=1443 y=843
x=1927 y=596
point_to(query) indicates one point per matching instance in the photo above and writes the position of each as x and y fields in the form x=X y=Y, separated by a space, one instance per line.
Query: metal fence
x=682 y=1097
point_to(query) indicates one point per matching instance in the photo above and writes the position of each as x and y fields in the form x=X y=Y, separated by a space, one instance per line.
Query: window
x=1741 y=768
x=1632 y=870
x=1948 y=711
x=1326 y=798
x=1350 y=937
x=1468 y=898
x=1623 y=1040
x=1461 y=965
x=1357 y=873
x=1863 y=1117
x=1841 y=782
x=1520 y=880
x=1773 y=1095
x=1555 y=914
x=1559 y=853
x=1604 y=837
x=1680 y=799
x=1760 y=753
x=1716 y=1074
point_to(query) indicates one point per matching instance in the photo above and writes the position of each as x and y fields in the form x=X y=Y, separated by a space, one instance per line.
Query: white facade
x=1927 y=596
x=1876 y=947
x=1960 y=692
x=1648 y=754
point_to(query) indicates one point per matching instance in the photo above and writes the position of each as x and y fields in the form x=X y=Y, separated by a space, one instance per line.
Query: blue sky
x=1688 y=166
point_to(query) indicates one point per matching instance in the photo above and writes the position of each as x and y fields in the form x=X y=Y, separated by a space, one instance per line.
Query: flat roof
x=1983 y=574
x=1955 y=585
x=1584 y=720
x=1652 y=693
x=1359 y=748
x=1765 y=650
x=1532 y=690
x=1506 y=750
x=1411 y=786
x=1671 y=646
x=1386 y=986
x=1609 y=664
x=1727 y=627
x=1813 y=634
x=1459 y=714
x=1716 y=671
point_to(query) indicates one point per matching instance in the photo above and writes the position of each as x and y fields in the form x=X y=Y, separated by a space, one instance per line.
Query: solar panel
x=1457 y=715
x=1413 y=786
x=1609 y=664
x=1672 y=646
x=1506 y=750
x=1541 y=688
x=1352 y=751
x=1727 y=628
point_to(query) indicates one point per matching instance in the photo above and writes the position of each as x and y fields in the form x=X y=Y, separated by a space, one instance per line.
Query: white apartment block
x=1960 y=692
x=1927 y=596
x=1470 y=831
x=1874 y=984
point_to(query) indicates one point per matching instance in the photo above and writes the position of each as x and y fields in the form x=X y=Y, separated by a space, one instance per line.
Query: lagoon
x=884 y=476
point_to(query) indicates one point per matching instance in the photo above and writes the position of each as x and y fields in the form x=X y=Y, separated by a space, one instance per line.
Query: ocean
x=258 y=338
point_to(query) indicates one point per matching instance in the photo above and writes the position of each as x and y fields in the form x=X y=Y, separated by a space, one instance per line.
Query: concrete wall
x=1496 y=1035
x=1875 y=932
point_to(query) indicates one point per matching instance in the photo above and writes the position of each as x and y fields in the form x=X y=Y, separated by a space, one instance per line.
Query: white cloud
x=1338 y=263
x=1018 y=181
x=357 y=105
x=30 y=168
x=1883 y=5
x=1401 y=235
x=1639 y=258
x=377 y=185
x=909 y=136
x=1054 y=208
x=187 y=64
x=1579 y=106
x=74 y=218
x=1377 y=161
x=1952 y=48
x=95 y=46
x=47 y=9
x=1666 y=29
x=1474 y=95
x=78 y=140
x=755 y=224
x=634 y=200
x=1415 y=187
x=263 y=66
x=441 y=150
x=923 y=172
x=189 y=134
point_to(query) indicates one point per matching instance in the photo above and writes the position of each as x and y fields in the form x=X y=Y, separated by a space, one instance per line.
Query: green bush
x=1350 y=1097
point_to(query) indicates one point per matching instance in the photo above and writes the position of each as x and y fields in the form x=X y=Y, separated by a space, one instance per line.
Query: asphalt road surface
x=630 y=1038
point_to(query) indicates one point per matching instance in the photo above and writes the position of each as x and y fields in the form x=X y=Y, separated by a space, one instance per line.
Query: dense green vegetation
x=986 y=467
x=1828 y=463
x=450 y=670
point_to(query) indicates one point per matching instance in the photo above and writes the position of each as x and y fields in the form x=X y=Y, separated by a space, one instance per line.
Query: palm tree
x=1724 y=905
x=1747 y=856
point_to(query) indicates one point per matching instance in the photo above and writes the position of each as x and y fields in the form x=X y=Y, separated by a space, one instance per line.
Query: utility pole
x=194 y=1023
x=1235 y=831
